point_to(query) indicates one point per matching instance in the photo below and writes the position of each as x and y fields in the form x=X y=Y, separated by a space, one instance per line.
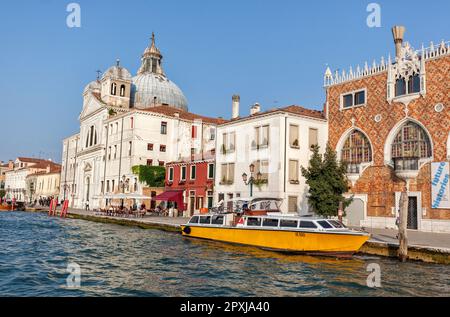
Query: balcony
x=406 y=168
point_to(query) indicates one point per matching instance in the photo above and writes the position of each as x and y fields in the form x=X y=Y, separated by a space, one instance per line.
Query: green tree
x=2 y=193
x=153 y=176
x=327 y=181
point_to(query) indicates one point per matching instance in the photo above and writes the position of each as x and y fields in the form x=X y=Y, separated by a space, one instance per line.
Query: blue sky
x=271 y=52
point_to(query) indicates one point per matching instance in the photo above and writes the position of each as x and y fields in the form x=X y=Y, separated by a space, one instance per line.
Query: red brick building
x=194 y=179
x=391 y=123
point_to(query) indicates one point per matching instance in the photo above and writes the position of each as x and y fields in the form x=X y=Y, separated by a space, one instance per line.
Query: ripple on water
x=123 y=261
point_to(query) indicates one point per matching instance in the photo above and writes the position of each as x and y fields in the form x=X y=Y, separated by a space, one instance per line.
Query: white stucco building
x=277 y=143
x=15 y=179
x=128 y=121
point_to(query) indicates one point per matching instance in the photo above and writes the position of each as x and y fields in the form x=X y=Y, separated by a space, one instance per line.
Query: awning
x=173 y=196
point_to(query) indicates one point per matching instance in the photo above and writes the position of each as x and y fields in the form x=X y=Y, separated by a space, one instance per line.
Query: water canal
x=126 y=261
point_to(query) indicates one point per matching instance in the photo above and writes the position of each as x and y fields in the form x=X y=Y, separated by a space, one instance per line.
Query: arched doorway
x=355 y=212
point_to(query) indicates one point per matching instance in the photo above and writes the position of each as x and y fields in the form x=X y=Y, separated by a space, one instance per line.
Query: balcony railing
x=406 y=164
x=353 y=168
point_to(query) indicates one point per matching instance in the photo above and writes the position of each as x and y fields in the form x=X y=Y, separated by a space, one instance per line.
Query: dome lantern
x=151 y=59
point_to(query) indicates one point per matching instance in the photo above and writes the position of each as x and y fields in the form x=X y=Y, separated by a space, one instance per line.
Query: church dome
x=150 y=89
x=117 y=72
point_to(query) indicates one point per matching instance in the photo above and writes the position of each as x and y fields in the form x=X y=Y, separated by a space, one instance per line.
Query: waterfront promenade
x=423 y=246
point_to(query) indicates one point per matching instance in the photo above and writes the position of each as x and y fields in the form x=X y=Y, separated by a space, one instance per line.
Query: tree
x=153 y=176
x=326 y=178
x=2 y=193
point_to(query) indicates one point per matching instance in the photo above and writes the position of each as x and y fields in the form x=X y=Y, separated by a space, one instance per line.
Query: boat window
x=324 y=224
x=206 y=219
x=251 y=221
x=268 y=222
x=307 y=224
x=217 y=220
x=336 y=224
x=288 y=223
x=194 y=219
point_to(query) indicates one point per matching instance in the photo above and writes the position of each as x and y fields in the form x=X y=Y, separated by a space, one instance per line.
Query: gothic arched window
x=113 y=89
x=410 y=86
x=410 y=144
x=356 y=150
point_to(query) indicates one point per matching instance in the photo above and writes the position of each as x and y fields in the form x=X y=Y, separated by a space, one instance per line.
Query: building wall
x=194 y=190
x=378 y=182
x=278 y=153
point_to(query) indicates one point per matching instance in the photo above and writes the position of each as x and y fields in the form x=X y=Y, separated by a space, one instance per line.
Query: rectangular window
x=292 y=204
x=183 y=173
x=150 y=147
x=293 y=136
x=307 y=224
x=162 y=148
x=348 y=100
x=360 y=98
x=227 y=176
x=210 y=199
x=293 y=171
x=313 y=137
x=228 y=142
x=212 y=134
x=113 y=188
x=254 y=222
x=261 y=137
x=131 y=122
x=109 y=154
x=171 y=174
x=194 y=132
x=102 y=184
x=268 y=222
x=161 y=163
x=149 y=162
x=115 y=151
x=107 y=186
x=193 y=172
x=163 y=127
x=130 y=144
x=211 y=170
x=288 y=223
x=353 y=99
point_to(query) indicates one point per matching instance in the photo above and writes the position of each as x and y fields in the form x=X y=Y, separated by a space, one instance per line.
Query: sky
x=271 y=52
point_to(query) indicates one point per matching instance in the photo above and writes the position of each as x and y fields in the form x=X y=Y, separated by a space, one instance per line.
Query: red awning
x=173 y=196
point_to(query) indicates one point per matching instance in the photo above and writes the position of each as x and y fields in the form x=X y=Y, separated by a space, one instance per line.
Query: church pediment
x=91 y=104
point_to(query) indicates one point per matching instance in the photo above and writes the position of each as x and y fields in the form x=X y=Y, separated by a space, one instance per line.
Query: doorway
x=412 y=213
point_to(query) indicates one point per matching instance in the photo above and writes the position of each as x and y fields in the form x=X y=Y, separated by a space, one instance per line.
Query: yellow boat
x=278 y=232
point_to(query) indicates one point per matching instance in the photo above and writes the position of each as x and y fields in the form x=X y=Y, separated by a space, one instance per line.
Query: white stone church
x=128 y=121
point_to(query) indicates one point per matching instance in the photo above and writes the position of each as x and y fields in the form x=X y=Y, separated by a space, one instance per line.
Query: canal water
x=35 y=251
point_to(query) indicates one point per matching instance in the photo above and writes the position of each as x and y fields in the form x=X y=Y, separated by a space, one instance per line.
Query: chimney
x=398 y=32
x=255 y=108
x=235 y=106
x=48 y=169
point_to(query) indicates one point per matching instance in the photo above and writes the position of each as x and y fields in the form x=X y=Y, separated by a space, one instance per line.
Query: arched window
x=410 y=86
x=113 y=89
x=91 y=141
x=356 y=150
x=87 y=139
x=122 y=91
x=95 y=138
x=410 y=144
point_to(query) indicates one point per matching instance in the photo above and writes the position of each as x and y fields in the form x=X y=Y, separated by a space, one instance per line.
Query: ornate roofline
x=428 y=53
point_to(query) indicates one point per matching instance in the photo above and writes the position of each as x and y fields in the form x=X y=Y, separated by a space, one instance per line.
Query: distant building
x=4 y=167
x=16 y=179
x=276 y=143
x=391 y=123
x=44 y=183
x=128 y=121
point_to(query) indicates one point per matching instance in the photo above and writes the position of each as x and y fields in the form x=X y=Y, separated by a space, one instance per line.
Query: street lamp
x=124 y=183
x=65 y=187
x=251 y=180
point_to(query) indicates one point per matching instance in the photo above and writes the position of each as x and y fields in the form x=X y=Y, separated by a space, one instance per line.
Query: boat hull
x=326 y=243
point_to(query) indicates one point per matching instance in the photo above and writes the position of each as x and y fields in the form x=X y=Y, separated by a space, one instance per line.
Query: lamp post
x=65 y=187
x=124 y=183
x=251 y=180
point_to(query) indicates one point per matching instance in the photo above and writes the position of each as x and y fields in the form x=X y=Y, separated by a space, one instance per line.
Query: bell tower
x=116 y=86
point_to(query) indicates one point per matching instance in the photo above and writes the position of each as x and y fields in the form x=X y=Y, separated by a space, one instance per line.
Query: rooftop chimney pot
x=398 y=33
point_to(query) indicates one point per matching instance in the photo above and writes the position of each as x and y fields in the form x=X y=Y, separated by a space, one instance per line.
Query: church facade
x=391 y=124
x=128 y=121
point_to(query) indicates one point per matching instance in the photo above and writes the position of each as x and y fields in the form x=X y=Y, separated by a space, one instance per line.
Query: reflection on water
x=117 y=260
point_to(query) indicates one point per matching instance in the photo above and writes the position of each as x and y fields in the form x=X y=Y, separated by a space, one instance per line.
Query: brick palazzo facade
x=389 y=122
